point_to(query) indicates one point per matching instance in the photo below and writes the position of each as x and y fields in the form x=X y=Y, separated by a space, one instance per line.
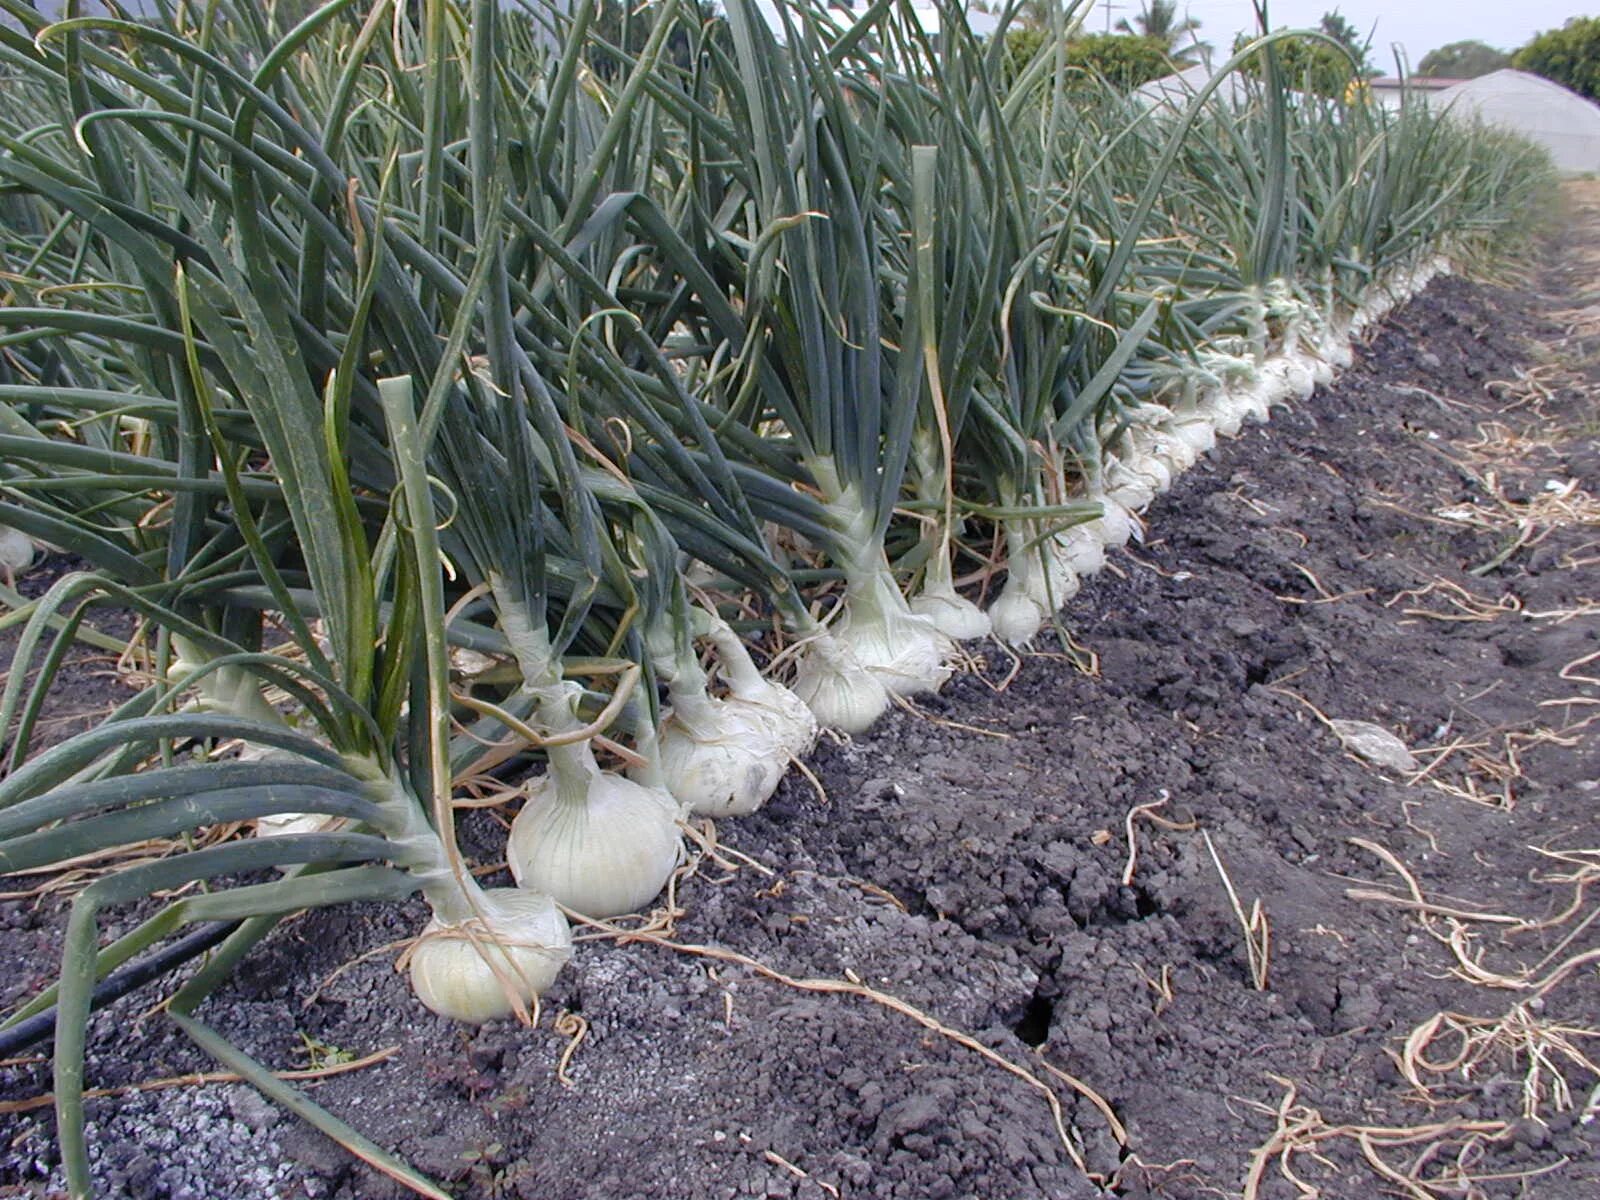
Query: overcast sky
x=1418 y=25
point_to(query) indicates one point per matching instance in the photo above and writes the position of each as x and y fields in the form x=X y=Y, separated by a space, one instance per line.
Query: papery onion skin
x=1116 y=526
x=874 y=626
x=1227 y=411
x=1156 y=474
x=908 y=656
x=1079 y=552
x=1127 y=487
x=905 y=651
x=1197 y=433
x=1169 y=450
x=293 y=823
x=1039 y=580
x=793 y=724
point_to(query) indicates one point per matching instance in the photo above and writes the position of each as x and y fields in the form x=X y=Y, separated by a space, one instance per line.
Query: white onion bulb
x=1172 y=450
x=952 y=613
x=1156 y=474
x=16 y=550
x=1226 y=411
x=1116 y=526
x=595 y=841
x=1015 y=615
x=1274 y=387
x=1080 y=552
x=526 y=939
x=905 y=651
x=1127 y=487
x=875 y=627
x=794 y=728
x=840 y=692
x=1298 y=376
x=1039 y=579
x=1257 y=401
x=1195 y=432
x=720 y=758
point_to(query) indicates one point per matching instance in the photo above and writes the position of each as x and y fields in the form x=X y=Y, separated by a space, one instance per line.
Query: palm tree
x=1035 y=14
x=1159 y=19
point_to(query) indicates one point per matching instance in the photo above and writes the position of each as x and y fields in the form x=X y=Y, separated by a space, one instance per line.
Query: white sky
x=1419 y=25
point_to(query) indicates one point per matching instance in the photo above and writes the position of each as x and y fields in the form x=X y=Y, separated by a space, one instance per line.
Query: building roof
x=1420 y=83
x=1560 y=120
x=1178 y=89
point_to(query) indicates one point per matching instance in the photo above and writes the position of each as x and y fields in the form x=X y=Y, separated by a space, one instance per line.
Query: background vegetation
x=1570 y=56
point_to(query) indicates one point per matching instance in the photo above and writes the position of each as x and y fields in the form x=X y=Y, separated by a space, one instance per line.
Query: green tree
x=1462 y=60
x=1124 y=61
x=1040 y=15
x=1338 y=27
x=1021 y=46
x=1180 y=38
x=1570 y=56
x=1308 y=64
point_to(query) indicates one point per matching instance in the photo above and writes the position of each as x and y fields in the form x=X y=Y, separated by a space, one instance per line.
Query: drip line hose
x=119 y=983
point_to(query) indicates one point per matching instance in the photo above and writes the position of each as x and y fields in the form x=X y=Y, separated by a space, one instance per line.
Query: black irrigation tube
x=119 y=983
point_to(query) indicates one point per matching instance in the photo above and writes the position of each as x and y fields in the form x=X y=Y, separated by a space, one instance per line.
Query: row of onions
x=454 y=395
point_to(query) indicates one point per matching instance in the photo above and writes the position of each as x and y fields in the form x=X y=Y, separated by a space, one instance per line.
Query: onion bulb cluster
x=723 y=757
x=876 y=646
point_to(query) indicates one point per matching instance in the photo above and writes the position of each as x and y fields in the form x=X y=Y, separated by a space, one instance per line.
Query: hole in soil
x=1144 y=904
x=1080 y=919
x=1034 y=1027
x=1118 y=1186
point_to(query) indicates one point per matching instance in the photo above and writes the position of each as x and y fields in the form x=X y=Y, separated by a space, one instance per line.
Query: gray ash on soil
x=979 y=878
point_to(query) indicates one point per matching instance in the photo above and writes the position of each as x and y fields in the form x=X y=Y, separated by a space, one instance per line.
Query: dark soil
x=89 y=684
x=1304 y=568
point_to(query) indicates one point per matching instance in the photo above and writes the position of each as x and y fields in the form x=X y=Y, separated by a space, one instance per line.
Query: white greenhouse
x=1177 y=90
x=1561 y=121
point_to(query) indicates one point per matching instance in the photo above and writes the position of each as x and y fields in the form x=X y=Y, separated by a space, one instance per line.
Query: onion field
x=493 y=435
